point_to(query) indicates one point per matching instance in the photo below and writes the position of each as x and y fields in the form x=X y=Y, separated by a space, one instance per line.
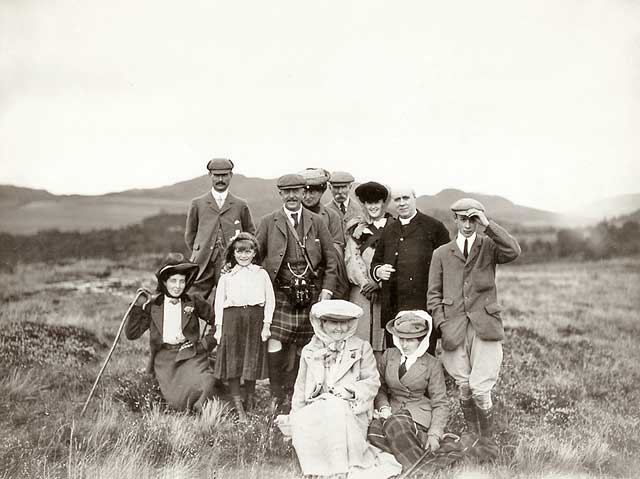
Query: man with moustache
x=402 y=258
x=316 y=184
x=213 y=220
x=299 y=256
x=340 y=184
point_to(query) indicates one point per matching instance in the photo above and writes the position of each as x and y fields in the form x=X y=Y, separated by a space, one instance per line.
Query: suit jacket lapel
x=350 y=356
x=475 y=249
x=212 y=203
x=157 y=315
x=392 y=366
x=279 y=220
x=453 y=247
x=228 y=202
x=306 y=223
x=184 y=317
x=416 y=371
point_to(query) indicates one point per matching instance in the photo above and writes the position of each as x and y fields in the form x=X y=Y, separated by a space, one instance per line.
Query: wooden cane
x=113 y=346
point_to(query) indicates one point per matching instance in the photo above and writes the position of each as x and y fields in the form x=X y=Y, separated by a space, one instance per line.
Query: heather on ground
x=568 y=400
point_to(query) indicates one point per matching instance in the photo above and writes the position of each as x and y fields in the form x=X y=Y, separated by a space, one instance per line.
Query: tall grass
x=567 y=402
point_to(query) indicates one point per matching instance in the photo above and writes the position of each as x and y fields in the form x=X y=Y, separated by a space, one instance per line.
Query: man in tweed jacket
x=462 y=299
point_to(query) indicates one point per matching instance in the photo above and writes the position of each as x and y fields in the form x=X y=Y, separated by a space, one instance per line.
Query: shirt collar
x=406 y=221
x=460 y=241
x=288 y=213
x=219 y=196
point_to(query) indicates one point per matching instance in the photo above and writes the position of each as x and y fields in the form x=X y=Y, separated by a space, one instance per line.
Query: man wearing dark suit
x=402 y=258
x=212 y=221
x=284 y=259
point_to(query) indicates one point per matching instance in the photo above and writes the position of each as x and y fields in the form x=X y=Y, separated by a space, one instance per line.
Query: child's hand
x=144 y=297
x=266 y=332
x=218 y=334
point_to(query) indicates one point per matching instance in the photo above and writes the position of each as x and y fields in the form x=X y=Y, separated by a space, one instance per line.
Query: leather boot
x=238 y=406
x=468 y=407
x=485 y=420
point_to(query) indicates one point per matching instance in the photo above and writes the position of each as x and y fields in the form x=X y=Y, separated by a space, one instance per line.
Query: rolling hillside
x=26 y=211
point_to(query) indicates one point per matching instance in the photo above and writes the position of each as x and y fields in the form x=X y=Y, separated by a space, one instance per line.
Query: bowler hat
x=336 y=310
x=341 y=177
x=291 y=181
x=371 y=191
x=409 y=325
x=220 y=165
x=465 y=204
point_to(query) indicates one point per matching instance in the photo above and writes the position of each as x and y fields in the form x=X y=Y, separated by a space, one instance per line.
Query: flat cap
x=371 y=192
x=291 y=181
x=338 y=177
x=410 y=324
x=336 y=310
x=465 y=204
x=315 y=176
x=220 y=164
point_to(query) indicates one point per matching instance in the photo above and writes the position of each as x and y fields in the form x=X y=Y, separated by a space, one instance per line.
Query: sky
x=535 y=100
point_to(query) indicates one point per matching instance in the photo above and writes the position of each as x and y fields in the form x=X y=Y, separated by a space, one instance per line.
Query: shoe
x=238 y=406
x=249 y=402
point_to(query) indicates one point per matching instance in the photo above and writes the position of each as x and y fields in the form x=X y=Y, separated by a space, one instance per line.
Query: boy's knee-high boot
x=485 y=421
x=469 y=411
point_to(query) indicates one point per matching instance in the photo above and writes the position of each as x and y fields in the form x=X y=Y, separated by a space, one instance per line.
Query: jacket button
x=401 y=239
x=396 y=253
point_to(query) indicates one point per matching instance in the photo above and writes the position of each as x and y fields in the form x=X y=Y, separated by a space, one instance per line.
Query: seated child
x=333 y=396
x=411 y=403
x=179 y=357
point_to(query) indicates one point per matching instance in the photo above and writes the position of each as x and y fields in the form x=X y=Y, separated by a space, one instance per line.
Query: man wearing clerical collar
x=213 y=220
x=403 y=255
x=299 y=256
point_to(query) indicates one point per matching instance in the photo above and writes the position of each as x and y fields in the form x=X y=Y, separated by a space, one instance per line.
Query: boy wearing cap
x=213 y=220
x=462 y=298
x=299 y=256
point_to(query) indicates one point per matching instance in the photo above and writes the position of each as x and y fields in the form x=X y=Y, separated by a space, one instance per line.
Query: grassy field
x=568 y=401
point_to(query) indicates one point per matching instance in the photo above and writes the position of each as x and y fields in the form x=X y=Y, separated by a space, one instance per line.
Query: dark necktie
x=294 y=217
x=343 y=209
x=465 y=252
x=402 y=370
x=174 y=300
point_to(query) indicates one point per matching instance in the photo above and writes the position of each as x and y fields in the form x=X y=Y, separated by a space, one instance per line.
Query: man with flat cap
x=213 y=220
x=299 y=256
x=462 y=299
x=340 y=183
x=402 y=258
x=316 y=184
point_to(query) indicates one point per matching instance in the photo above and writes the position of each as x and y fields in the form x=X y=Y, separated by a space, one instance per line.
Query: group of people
x=341 y=306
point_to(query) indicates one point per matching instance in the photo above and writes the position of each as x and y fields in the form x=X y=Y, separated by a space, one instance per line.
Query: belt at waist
x=171 y=347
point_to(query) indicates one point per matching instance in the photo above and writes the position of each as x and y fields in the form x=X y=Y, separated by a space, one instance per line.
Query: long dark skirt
x=185 y=384
x=241 y=352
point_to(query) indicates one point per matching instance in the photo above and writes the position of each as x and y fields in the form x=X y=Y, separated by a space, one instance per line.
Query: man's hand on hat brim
x=479 y=215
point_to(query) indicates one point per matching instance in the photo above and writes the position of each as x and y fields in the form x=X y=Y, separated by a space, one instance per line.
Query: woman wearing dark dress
x=179 y=356
x=362 y=238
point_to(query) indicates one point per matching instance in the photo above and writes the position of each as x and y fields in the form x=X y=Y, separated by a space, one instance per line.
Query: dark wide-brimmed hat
x=371 y=191
x=409 y=325
x=175 y=263
x=336 y=310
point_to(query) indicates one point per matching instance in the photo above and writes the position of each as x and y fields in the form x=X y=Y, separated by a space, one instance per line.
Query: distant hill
x=610 y=207
x=26 y=211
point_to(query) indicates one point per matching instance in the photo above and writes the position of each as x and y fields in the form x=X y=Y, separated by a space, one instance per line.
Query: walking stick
x=113 y=346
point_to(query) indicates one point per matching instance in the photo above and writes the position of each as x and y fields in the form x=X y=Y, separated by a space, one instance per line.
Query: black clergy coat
x=408 y=249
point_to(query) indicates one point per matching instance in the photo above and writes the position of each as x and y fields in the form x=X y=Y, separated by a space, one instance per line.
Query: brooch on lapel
x=188 y=310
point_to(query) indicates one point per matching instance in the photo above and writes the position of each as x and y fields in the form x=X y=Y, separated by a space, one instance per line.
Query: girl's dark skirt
x=241 y=352
x=185 y=384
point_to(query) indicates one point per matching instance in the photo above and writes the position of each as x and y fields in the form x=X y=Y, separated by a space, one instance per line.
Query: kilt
x=290 y=325
x=400 y=435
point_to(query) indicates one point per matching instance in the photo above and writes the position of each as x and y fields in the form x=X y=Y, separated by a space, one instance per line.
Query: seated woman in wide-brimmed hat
x=332 y=402
x=411 y=404
x=179 y=356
